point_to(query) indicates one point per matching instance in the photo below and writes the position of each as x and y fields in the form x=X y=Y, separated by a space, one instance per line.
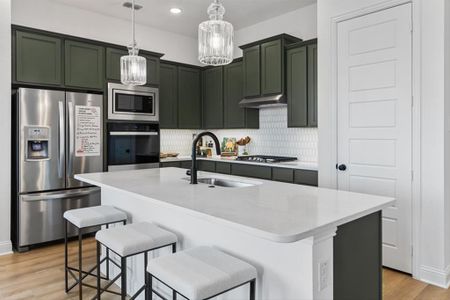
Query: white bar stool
x=82 y=219
x=200 y=273
x=130 y=240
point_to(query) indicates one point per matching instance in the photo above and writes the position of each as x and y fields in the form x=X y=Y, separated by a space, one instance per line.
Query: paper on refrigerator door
x=87 y=130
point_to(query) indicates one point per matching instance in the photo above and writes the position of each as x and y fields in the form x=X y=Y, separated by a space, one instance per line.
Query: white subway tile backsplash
x=272 y=138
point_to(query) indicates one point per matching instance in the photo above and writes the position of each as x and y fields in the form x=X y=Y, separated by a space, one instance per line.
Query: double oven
x=133 y=137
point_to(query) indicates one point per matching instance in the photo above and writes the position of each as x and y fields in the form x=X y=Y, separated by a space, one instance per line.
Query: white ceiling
x=241 y=13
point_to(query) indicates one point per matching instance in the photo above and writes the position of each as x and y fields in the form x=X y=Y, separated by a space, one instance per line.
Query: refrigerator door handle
x=61 y=139
x=59 y=195
x=71 y=138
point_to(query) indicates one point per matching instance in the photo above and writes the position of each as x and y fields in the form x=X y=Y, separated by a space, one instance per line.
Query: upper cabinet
x=84 y=65
x=113 y=56
x=168 y=97
x=302 y=84
x=189 y=98
x=234 y=115
x=264 y=66
x=213 y=98
x=38 y=59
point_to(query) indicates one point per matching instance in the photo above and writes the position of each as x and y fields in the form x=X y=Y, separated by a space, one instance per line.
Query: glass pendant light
x=215 y=37
x=133 y=68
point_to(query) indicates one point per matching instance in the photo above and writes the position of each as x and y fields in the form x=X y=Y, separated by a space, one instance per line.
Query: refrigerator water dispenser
x=37 y=143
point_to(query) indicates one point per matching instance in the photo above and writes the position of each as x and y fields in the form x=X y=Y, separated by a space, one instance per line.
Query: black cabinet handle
x=342 y=167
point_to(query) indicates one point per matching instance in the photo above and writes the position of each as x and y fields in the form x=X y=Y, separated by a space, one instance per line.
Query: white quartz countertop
x=276 y=211
x=291 y=164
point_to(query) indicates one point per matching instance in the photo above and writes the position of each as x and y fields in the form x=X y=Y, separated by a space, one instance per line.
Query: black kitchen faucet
x=194 y=152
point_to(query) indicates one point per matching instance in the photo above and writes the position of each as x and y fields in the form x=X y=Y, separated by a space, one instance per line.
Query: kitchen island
x=288 y=232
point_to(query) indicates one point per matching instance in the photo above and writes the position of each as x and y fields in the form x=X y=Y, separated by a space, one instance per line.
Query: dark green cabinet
x=283 y=175
x=312 y=85
x=252 y=71
x=302 y=85
x=204 y=165
x=84 y=65
x=223 y=167
x=252 y=171
x=38 y=58
x=272 y=66
x=113 y=56
x=168 y=97
x=234 y=115
x=297 y=87
x=306 y=177
x=189 y=98
x=153 y=70
x=213 y=98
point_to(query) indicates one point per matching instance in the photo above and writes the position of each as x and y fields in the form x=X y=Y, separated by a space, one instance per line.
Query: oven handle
x=152 y=133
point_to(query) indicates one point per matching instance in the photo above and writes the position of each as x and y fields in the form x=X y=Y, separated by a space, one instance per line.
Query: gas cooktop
x=265 y=158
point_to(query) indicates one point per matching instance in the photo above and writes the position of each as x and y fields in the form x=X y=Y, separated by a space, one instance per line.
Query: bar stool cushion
x=201 y=272
x=95 y=215
x=135 y=238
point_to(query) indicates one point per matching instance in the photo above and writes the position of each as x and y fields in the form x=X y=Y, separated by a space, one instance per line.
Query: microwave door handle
x=61 y=139
x=71 y=138
x=132 y=133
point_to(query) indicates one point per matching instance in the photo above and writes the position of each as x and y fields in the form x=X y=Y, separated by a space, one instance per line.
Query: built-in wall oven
x=133 y=146
x=133 y=103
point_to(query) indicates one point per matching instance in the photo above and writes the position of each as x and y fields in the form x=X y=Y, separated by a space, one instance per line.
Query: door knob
x=342 y=167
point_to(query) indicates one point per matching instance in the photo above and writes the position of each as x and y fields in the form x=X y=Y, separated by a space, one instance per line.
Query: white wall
x=61 y=18
x=428 y=18
x=447 y=130
x=5 y=124
x=301 y=23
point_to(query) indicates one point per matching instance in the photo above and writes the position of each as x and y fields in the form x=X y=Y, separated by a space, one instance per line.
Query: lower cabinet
x=252 y=171
x=288 y=175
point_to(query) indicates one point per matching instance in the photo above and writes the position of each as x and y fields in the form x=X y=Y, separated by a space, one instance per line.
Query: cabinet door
x=153 y=70
x=213 y=98
x=189 y=98
x=113 y=56
x=84 y=65
x=234 y=115
x=252 y=71
x=207 y=166
x=38 y=58
x=312 y=85
x=252 y=171
x=271 y=68
x=297 y=87
x=168 y=97
x=306 y=177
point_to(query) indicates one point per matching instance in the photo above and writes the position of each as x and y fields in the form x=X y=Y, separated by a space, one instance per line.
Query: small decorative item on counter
x=168 y=154
x=229 y=147
x=242 y=145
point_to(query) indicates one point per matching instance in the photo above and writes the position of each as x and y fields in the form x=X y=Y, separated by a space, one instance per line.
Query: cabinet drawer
x=170 y=164
x=187 y=164
x=208 y=166
x=283 y=174
x=306 y=177
x=222 y=167
x=252 y=171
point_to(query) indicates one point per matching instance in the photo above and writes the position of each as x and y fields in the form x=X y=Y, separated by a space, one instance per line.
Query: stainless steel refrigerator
x=56 y=134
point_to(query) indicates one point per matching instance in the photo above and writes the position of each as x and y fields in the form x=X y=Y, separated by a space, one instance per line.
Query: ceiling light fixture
x=215 y=37
x=133 y=68
x=175 y=11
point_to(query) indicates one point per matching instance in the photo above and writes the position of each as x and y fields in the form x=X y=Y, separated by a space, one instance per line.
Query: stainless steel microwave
x=133 y=103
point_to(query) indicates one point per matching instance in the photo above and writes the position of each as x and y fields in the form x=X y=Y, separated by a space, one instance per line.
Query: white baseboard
x=5 y=247
x=435 y=276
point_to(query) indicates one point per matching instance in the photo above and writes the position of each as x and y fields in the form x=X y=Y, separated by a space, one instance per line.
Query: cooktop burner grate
x=266 y=158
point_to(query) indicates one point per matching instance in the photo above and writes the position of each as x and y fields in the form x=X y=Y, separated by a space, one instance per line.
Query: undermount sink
x=212 y=182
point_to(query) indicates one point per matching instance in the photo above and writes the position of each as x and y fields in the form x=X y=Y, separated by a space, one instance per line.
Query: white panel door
x=375 y=119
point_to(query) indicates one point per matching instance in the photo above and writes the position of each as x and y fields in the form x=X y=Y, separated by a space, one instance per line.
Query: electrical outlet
x=324 y=274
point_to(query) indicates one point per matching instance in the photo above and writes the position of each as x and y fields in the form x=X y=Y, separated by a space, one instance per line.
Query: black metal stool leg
x=148 y=286
x=107 y=258
x=66 y=260
x=145 y=274
x=253 y=289
x=98 y=270
x=80 y=263
x=124 y=278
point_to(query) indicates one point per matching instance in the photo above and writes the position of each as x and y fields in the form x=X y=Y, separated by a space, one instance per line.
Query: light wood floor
x=39 y=274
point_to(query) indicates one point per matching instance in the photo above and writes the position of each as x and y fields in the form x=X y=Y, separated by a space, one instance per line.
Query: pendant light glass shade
x=215 y=37
x=133 y=68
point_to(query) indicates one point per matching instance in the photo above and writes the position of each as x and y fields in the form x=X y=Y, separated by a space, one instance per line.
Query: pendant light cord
x=133 y=29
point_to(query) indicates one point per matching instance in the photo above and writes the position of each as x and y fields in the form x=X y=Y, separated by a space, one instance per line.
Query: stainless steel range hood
x=264 y=101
